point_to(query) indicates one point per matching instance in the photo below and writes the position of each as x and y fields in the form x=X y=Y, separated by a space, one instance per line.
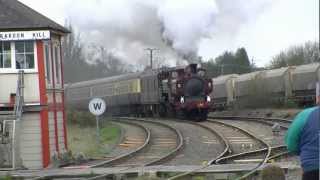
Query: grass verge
x=84 y=139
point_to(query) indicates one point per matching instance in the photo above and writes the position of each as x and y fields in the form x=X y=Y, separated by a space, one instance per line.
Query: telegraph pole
x=151 y=50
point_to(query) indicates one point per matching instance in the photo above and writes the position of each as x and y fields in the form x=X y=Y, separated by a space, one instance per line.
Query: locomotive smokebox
x=194 y=87
x=193 y=68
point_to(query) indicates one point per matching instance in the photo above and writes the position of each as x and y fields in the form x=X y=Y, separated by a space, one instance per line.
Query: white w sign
x=97 y=106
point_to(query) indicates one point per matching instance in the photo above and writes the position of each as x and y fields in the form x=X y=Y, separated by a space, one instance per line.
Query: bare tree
x=297 y=55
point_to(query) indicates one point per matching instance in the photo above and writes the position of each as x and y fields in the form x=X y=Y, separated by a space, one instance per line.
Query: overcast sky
x=264 y=29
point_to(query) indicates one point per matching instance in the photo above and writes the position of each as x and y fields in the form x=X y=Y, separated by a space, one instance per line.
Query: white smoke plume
x=186 y=24
x=175 y=27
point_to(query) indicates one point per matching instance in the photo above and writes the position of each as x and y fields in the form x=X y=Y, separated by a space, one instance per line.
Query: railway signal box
x=31 y=95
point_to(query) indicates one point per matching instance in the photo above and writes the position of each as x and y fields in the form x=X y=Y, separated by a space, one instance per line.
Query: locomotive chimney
x=193 y=68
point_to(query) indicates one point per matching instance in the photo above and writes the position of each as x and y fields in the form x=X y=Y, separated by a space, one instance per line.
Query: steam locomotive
x=167 y=92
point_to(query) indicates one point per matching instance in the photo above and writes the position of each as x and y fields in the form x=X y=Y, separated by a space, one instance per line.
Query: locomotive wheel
x=171 y=112
x=198 y=115
x=181 y=114
x=203 y=115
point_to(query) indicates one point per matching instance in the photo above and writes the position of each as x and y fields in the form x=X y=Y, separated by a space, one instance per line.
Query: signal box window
x=57 y=61
x=5 y=55
x=47 y=56
x=24 y=54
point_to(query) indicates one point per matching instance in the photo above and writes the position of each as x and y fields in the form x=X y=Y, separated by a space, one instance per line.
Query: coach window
x=47 y=61
x=5 y=55
x=57 y=61
x=24 y=54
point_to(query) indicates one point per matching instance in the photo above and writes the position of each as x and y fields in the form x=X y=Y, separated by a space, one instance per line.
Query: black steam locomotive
x=167 y=92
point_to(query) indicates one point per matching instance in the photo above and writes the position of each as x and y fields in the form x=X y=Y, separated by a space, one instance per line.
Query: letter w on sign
x=97 y=106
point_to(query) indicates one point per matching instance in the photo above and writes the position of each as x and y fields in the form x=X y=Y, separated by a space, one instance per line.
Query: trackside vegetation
x=82 y=137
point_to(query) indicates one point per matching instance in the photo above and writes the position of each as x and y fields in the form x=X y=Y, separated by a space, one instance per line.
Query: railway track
x=163 y=144
x=234 y=137
x=279 y=151
x=225 y=151
x=284 y=123
x=207 y=143
x=135 y=138
x=255 y=154
x=265 y=128
x=202 y=144
x=258 y=144
x=262 y=129
x=163 y=141
x=239 y=139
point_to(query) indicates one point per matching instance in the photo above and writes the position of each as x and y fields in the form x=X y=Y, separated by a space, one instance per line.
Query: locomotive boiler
x=167 y=92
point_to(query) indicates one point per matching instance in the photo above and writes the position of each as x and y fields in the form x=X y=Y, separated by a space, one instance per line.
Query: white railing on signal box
x=11 y=128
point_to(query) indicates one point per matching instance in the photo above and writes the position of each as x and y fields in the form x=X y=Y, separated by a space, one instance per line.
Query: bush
x=7 y=177
x=81 y=118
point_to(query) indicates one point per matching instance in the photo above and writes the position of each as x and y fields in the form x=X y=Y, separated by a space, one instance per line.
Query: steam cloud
x=127 y=27
x=185 y=25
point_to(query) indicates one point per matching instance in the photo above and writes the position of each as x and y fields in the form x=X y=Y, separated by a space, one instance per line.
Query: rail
x=252 y=118
x=129 y=154
x=251 y=171
x=223 y=153
x=161 y=159
x=234 y=156
x=172 y=152
x=264 y=120
x=116 y=159
x=254 y=137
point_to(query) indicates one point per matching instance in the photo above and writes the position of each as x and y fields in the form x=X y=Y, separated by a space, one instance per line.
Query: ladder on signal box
x=10 y=128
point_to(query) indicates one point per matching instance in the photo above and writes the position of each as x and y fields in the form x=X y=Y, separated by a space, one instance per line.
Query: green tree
x=242 y=61
x=229 y=63
x=213 y=70
x=297 y=55
x=226 y=62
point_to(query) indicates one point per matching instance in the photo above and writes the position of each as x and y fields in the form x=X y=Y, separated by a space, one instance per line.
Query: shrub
x=80 y=118
x=7 y=177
